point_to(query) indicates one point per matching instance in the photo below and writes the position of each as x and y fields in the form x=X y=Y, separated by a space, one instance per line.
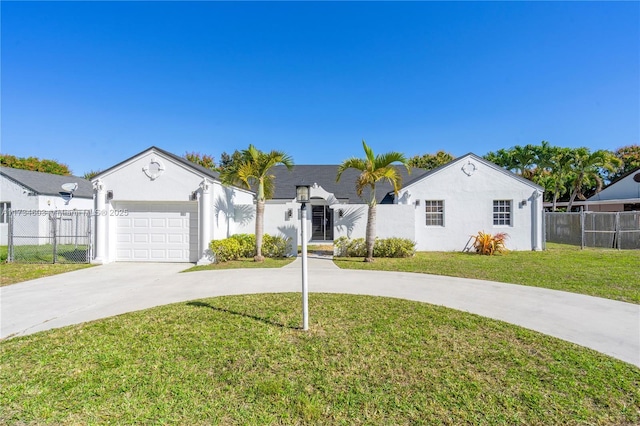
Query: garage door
x=157 y=232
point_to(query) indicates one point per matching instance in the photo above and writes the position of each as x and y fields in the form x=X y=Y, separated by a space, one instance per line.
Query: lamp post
x=302 y=196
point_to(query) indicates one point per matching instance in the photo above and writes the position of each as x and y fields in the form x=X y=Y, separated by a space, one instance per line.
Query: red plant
x=490 y=244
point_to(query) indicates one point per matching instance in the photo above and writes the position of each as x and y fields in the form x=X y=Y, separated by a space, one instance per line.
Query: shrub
x=275 y=246
x=387 y=247
x=225 y=250
x=244 y=246
x=394 y=247
x=345 y=247
x=488 y=244
x=247 y=244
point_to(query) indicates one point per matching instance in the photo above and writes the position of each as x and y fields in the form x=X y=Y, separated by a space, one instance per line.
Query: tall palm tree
x=374 y=168
x=252 y=171
x=586 y=167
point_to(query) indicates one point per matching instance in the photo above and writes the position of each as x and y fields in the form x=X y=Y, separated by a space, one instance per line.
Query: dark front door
x=321 y=223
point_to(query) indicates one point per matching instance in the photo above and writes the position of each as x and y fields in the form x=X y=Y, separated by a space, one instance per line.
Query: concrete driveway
x=607 y=326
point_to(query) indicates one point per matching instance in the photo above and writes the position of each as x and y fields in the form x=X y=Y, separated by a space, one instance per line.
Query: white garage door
x=157 y=232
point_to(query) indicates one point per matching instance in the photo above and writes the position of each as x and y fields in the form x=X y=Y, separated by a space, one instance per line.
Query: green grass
x=39 y=253
x=244 y=263
x=608 y=273
x=365 y=360
x=12 y=273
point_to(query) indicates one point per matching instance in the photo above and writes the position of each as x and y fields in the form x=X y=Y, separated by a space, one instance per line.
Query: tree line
x=567 y=173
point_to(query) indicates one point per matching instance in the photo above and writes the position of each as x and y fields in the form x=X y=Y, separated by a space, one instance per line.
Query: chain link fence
x=619 y=230
x=43 y=236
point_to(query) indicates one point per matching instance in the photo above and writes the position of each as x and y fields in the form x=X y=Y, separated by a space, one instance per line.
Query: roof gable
x=626 y=186
x=196 y=168
x=468 y=157
x=47 y=183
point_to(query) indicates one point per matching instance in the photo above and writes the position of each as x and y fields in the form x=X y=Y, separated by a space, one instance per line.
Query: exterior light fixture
x=302 y=193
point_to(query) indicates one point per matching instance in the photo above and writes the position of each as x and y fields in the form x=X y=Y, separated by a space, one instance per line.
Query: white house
x=621 y=195
x=439 y=209
x=157 y=206
x=31 y=193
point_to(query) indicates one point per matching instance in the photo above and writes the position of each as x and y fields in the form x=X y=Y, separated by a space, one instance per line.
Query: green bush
x=387 y=247
x=247 y=244
x=394 y=247
x=225 y=250
x=275 y=246
x=244 y=246
x=345 y=247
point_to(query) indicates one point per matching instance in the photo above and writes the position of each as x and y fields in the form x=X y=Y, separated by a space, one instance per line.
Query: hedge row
x=386 y=247
x=244 y=246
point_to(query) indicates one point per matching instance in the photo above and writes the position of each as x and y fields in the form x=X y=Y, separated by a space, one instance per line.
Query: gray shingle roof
x=46 y=183
x=325 y=176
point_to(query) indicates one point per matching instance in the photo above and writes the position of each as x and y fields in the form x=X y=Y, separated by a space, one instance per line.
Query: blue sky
x=92 y=83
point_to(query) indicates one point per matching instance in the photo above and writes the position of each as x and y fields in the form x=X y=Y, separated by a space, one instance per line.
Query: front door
x=321 y=223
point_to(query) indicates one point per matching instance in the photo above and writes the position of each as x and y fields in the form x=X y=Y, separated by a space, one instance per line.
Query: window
x=4 y=211
x=502 y=212
x=434 y=210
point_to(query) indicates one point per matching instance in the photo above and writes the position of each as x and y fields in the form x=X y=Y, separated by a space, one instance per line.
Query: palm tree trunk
x=371 y=232
x=259 y=230
x=574 y=193
x=576 y=187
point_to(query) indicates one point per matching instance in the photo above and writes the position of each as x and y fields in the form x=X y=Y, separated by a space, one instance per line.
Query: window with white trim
x=502 y=212
x=5 y=206
x=434 y=210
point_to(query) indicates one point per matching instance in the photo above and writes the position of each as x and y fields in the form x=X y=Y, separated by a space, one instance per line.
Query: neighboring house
x=439 y=209
x=157 y=206
x=33 y=193
x=621 y=195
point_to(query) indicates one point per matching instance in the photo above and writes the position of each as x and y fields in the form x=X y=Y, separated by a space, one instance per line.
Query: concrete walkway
x=607 y=326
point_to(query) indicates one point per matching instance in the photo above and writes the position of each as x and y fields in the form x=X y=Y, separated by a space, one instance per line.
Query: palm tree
x=374 y=168
x=560 y=169
x=586 y=167
x=523 y=159
x=252 y=171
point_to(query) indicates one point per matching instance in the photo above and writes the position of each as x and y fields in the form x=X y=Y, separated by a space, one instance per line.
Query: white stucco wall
x=276 y=221
x=232 y=208
x=468 y=207
x=392 y=221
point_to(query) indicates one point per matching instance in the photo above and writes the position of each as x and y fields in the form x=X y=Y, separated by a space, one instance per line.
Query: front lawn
x=11 y=273
x=242 y=360
x=244 y=263
x=609 y=273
